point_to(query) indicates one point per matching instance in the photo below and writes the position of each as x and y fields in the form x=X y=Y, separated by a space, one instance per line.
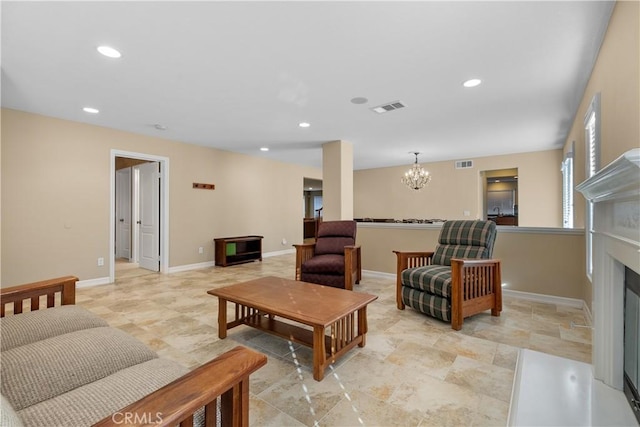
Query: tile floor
x=414 y=370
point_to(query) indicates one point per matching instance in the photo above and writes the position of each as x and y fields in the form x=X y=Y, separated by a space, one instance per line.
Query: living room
x=57 y=179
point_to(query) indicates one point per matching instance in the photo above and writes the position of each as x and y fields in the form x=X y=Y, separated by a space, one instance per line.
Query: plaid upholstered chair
x=334 y=259
x=455 y=281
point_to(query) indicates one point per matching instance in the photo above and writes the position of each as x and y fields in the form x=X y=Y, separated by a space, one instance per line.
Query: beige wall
x=616 y=76
x=378 y=193
x=547 y=262
x=56 y=191
x=337 y=183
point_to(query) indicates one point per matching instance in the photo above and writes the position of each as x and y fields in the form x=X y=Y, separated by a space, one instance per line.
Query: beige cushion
x=26 y=328
x=8 y=417
x=89 y=404
x=41 y=370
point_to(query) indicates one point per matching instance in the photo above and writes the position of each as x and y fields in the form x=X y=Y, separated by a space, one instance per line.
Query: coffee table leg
x=362 y=325
x=222 y=318
x=319 y=353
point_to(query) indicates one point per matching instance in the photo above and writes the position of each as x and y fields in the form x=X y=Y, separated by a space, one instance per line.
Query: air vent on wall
x=464 y=164
x=388 y=107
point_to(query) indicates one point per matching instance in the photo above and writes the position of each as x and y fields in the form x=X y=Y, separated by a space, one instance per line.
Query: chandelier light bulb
x=417 y=177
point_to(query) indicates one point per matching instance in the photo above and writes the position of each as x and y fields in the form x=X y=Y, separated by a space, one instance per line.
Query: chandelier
x=416 y=177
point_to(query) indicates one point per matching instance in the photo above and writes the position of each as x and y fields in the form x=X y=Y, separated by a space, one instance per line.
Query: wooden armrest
x=227 y=375
x=304 y=251
x=304 y=245
x=408 y=259
x=475 y=282
x=15 y=295
x=475 y=262
x=352 y=265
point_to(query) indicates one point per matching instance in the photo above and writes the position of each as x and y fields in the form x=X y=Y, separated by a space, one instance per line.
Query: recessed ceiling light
x=264 y=149
x=472 y=83
x=91 y=110
x=109 y=51
x=359 y=100
x=304 y=124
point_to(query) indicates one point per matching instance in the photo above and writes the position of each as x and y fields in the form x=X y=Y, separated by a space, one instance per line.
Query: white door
x=123 y=213
x=149 y=216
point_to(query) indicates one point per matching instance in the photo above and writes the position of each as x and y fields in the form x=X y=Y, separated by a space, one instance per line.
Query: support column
x=337 y=180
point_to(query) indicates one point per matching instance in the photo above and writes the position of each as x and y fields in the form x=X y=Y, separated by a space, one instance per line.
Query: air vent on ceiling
x=388 y=107
x=464 y=164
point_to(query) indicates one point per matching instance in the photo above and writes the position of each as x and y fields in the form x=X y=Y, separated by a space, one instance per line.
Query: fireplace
x=632 y=339
x=615 y=194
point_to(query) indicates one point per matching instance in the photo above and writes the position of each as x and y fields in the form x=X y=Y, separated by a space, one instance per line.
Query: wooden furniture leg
x=362 y=326
x=319 y=353
x=222 y=318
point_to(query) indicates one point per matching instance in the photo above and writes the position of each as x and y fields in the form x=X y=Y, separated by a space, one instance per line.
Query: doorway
x=500 y=201
x=139 y=213
x=312 y=207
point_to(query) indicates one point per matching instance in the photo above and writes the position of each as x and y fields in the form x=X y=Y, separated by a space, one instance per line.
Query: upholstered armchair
x=458 y=279
x=334 y=259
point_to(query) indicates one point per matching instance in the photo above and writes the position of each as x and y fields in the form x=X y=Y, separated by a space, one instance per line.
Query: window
x=592 y=136
x=317 y=205
x=567 y=190
x=592 y=150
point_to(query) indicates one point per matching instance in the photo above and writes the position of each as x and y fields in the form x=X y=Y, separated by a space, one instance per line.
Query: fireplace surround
x=632 y=339
x=615 y=232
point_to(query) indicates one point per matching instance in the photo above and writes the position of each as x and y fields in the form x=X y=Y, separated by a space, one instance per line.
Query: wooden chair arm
x=474 y=262
x=408 y=259
x=304 y=251
x=303 y=246
x=15 y=295
x=472 y=280
x=226 y=376
x=352 y=265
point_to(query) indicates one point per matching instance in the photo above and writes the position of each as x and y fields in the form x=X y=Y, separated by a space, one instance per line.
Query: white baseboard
x=188 y=267
x=587 y=314
x=93 y=282
x=379 y=274
x=548 y=299
x=208 y=264
x=276 y=253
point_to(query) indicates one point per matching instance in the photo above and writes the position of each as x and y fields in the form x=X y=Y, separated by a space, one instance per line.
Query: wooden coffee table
x=258 y=303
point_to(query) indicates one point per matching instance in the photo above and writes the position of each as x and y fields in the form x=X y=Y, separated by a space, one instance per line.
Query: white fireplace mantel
x=615 y=194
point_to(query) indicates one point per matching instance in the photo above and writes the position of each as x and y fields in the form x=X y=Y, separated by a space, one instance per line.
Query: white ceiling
x=241 y=75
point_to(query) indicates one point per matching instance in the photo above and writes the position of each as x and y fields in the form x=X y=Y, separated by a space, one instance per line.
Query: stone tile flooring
x=414 y=370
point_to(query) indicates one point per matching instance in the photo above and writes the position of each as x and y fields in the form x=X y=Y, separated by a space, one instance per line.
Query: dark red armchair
x=334 y=259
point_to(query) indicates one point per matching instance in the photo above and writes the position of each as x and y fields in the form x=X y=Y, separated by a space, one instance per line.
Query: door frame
x=164 y=208
x=119 y=198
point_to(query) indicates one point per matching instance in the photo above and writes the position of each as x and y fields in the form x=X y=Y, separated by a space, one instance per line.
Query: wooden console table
x=236 y=250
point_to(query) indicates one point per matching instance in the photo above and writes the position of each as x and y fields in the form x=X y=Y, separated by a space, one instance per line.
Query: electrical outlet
x=200 y=250
x=100 y=262
x=284 y=241
x=466 y=213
